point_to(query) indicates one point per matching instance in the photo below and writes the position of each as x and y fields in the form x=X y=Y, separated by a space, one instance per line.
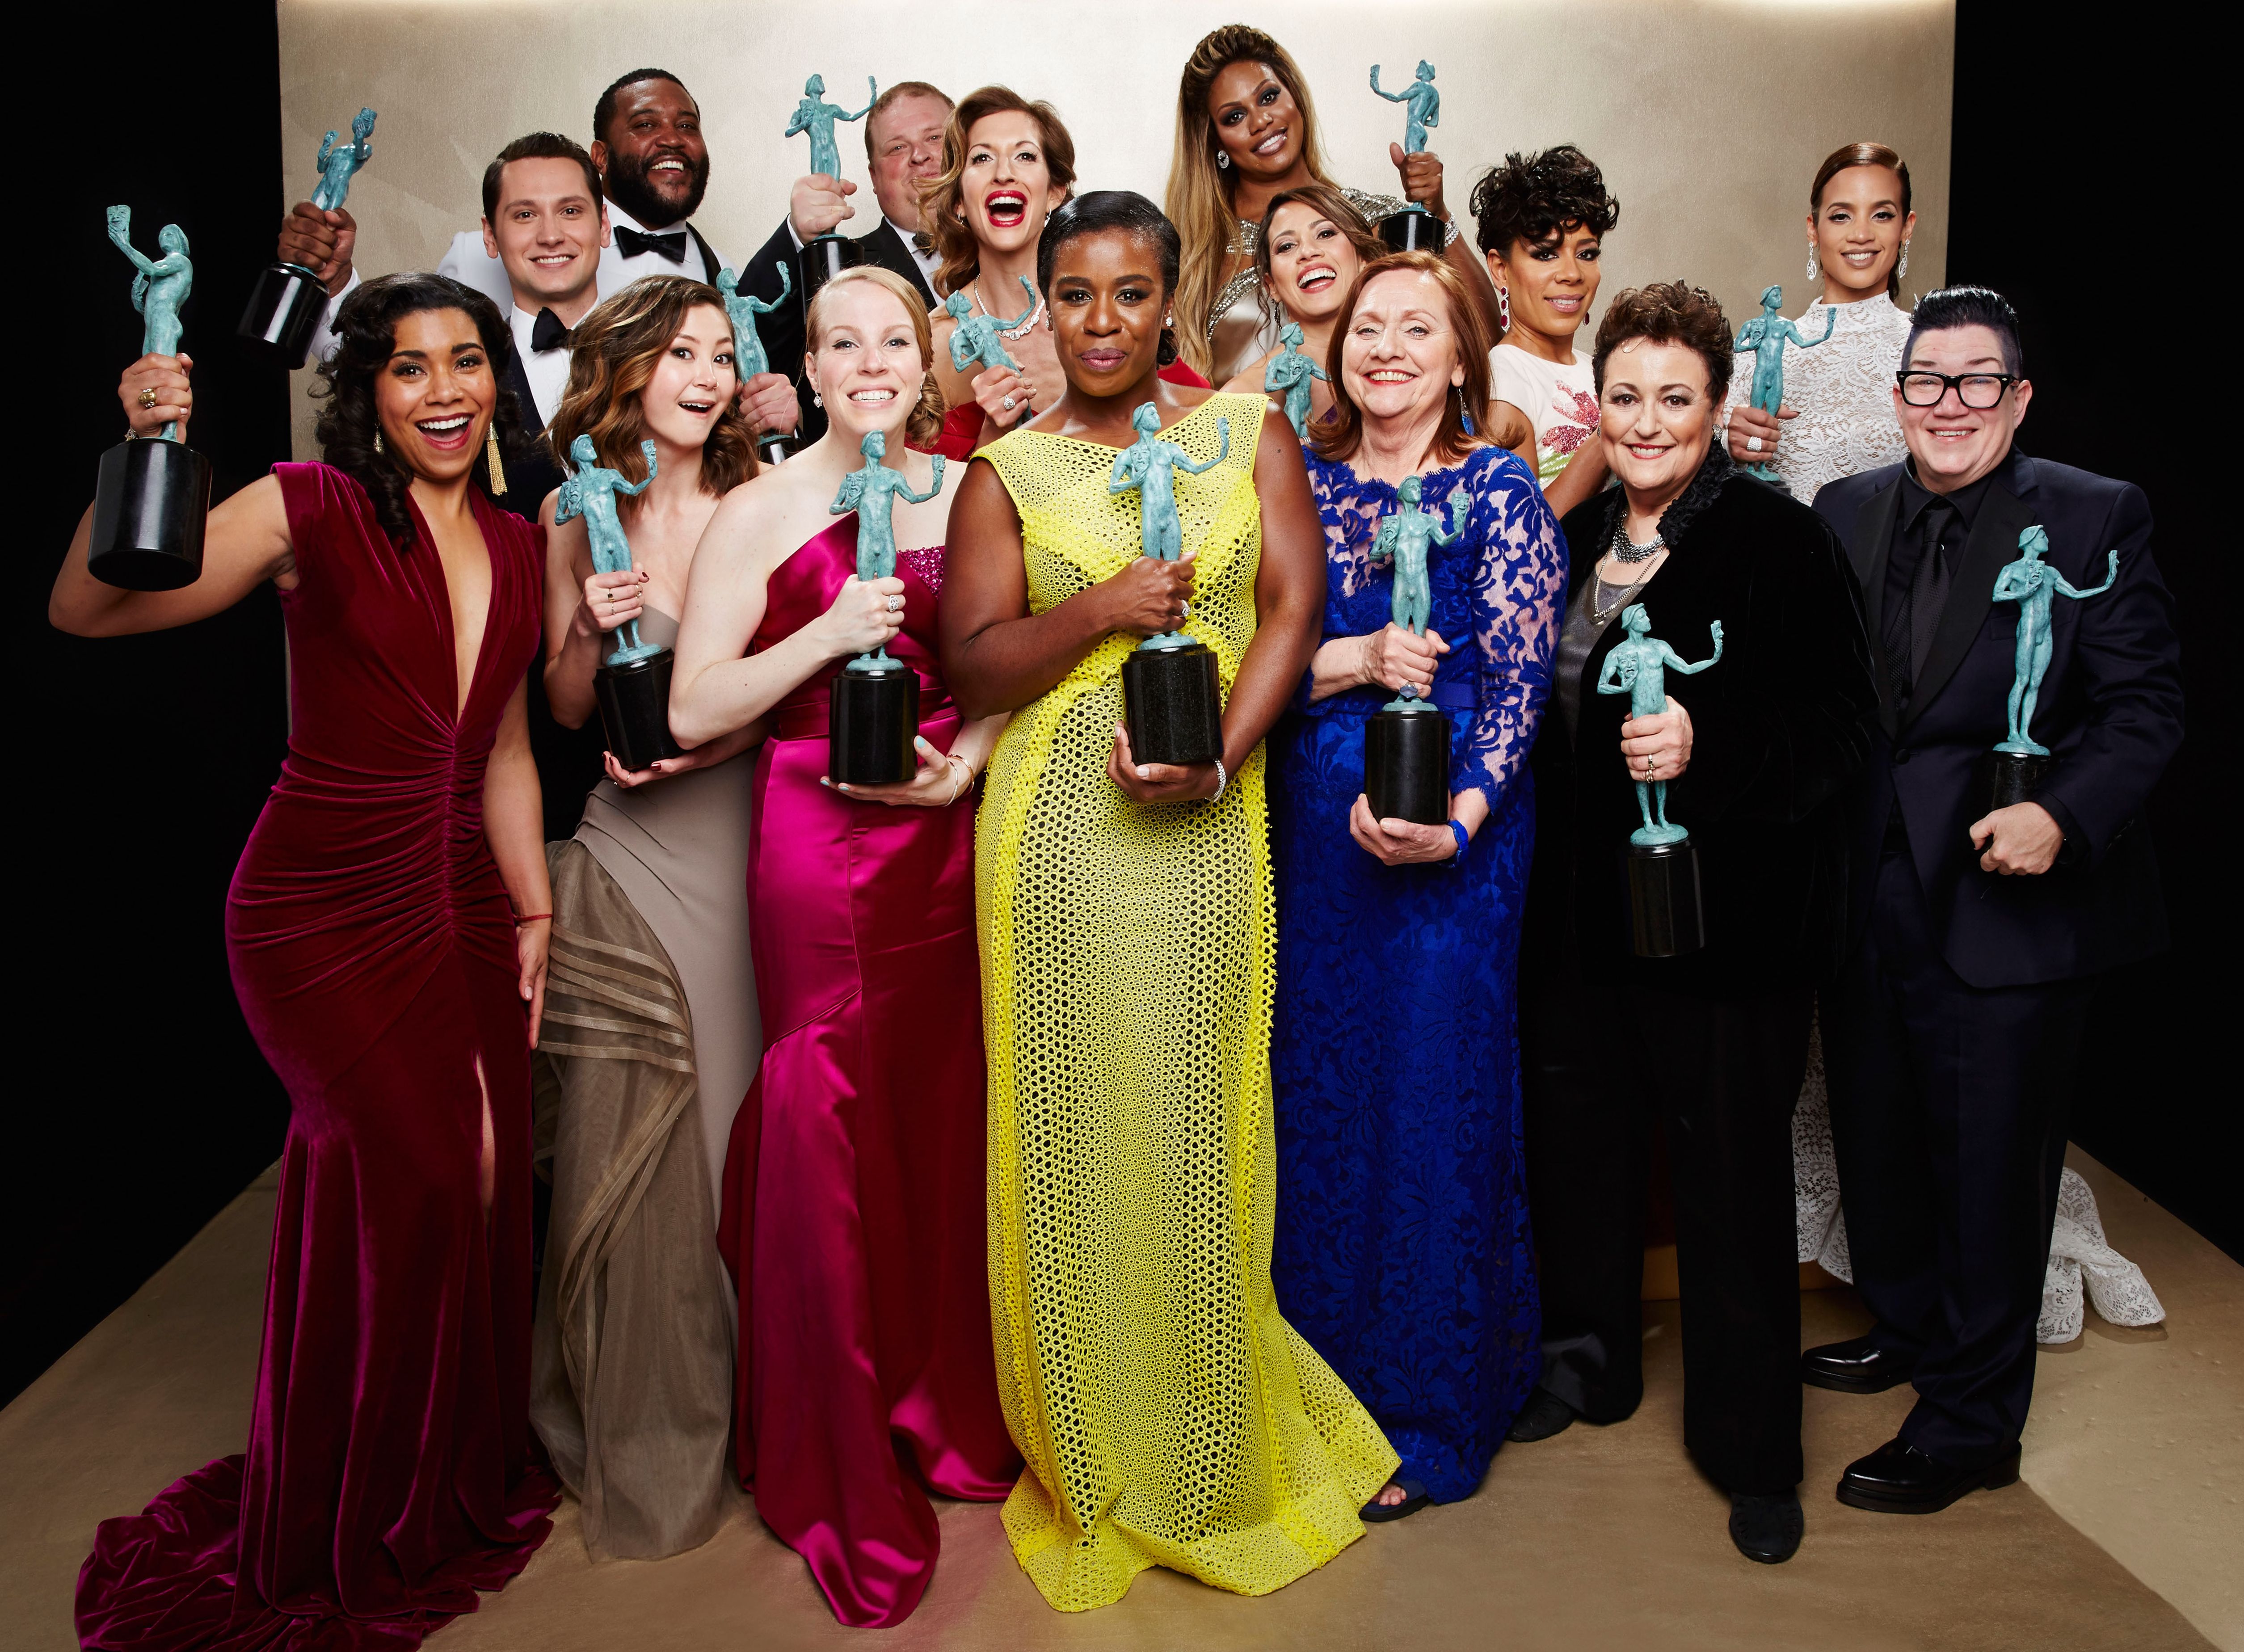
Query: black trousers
x=1949 y=1106
x=1723 y=1075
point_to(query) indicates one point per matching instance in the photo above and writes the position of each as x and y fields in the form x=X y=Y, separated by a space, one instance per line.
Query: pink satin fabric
x=388 y=1474
x=853 y=1218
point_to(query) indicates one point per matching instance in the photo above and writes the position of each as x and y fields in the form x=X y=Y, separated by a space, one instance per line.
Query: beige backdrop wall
x=1708 y=117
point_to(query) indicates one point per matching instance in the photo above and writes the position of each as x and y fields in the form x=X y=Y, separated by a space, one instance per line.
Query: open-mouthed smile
x=1005 y=208
x=670 y=164
x=1388 y=375
x=699 y=410
x=1272 y=143
x=873 y=395
x=447 y=434
x=1315 y=279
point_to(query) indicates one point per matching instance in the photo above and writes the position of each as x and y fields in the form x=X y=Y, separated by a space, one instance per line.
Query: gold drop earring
x=491 y=456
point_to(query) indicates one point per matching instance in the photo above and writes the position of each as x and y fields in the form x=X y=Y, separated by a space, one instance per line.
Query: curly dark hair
x=1531 y=198
x=1668 y=313
x=349 y=427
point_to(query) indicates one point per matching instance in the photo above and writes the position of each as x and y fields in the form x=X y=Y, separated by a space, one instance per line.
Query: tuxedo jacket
x=2110 y=712
x=529 y=479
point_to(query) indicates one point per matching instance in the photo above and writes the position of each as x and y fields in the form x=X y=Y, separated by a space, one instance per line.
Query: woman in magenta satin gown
x=854 y=1189
x=387 y=938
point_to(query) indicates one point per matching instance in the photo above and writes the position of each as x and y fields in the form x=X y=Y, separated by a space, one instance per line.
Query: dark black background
x=141 y=1106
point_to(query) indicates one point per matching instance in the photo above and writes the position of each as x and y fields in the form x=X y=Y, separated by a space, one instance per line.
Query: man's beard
x=630 y=187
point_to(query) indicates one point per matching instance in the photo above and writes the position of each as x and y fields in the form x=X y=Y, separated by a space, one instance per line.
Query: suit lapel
x=710 y=262
x=1870 y=551
x=1994 y=541
x=533 y=421
x=886 y=246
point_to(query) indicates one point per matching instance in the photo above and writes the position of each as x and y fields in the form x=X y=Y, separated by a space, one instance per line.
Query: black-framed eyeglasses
x=1976 y=390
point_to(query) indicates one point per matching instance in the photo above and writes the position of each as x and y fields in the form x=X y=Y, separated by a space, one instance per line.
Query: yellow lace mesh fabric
x=1168 y=1413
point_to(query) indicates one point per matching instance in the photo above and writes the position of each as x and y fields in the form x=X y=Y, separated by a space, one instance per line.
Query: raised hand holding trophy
x=1765 y=335
x=2020 y=761
x=153 y=495
x=823 y=257
x=1406 y=743
x=981 y=339
x=286 y=305
x=633 y=682
x=1172 y=691
x=1289 y=375
x=1414 y=229
x=1665 y=914
x=872 y=715
x=748 y=356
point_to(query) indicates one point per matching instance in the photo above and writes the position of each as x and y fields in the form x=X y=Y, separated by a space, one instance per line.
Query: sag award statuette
x=982 y=338
x=824 y=257
x=153 y=495
x=286 y=305
x=872 y=710
x=1406 y=743
x=1663 y=865
x=633 y=683
x=2020 y=763
x=1288 y=377
x=1414 y=229
x=1172 y=699
x=748 y=357
x=1765 y=336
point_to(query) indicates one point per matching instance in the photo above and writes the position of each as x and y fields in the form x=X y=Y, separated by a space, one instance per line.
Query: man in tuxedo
x=1951 y=1037
x=903 y=143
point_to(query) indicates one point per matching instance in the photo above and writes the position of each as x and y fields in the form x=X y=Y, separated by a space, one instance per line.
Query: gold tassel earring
x=490 y=454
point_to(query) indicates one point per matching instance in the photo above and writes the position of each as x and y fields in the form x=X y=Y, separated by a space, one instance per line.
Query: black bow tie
x=671 y=245
x=547 y=333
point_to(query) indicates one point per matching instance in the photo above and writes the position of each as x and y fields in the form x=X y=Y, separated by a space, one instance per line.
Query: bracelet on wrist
x=533 y=917
x=1464 y=837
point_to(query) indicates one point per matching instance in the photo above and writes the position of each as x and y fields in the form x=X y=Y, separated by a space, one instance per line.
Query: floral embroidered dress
x=1403 y=1252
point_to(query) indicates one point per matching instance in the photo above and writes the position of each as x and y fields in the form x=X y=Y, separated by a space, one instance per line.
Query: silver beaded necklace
x=1627 y=549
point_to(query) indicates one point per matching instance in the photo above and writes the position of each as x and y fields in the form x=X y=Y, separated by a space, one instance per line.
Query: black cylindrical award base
x=1172 y=704
x=2016 y=776
x=285 y=307
x=635 y=710
x=1666 y=918
x=773 y=450
x=822 y=259
x=149 y=508
x=1406 y=764
x=1409 y=231
x=872 y=718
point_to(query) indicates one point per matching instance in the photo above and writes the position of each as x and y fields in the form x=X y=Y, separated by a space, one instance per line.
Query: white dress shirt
x=547 y=371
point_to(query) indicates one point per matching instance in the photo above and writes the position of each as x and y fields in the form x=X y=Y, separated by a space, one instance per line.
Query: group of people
x=1186 y=1156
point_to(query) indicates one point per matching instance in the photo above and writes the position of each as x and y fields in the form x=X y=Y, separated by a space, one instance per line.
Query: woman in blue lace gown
x=1403 y=1250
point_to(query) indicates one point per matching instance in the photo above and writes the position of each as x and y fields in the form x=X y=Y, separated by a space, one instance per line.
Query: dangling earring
x=817 y=400
x=1503 y=309
x=1222 y=161
x=377 y=442
x=1904 y=270
x=490 y=457
x=1815 y=265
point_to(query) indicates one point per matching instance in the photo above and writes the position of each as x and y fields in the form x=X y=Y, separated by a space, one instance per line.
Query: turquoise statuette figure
x=1765 y=335
x=338 y=161
x=1421 y=107
x=1641 y=665
x=815 y=116
x=1407 y=536
x=871 y=490
x=2033 y=584
x=1289 y=375
x=1147 y=465
x=158 y=290
x=748 y=357
x=981 y=338
x=591 y=493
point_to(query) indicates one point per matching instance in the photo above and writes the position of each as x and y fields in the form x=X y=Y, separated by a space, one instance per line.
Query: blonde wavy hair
x=941 y=207
x=1198 y=198
x=612 y=354
x=925 y=421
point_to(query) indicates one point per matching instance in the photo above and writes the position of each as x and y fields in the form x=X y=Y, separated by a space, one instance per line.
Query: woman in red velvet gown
x=387 y=933
x=853 y=1216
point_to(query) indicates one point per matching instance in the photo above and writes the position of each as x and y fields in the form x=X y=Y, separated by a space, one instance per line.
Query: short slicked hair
x=540 y=146
x=604 y=111
x=1954 y=307
x=896 y=94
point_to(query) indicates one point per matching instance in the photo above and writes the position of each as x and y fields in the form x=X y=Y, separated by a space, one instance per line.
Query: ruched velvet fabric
x=852 y=1217
x=388 y=1473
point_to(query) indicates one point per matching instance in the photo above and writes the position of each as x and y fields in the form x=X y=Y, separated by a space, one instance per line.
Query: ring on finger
x=147 y=397
x=1007 y=403
x=894 y=603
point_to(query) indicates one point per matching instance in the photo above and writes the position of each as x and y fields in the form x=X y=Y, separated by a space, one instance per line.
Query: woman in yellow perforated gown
x=1168 y=1414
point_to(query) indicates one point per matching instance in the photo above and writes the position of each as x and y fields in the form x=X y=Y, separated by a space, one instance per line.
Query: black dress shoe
x=1897 y=1479
x=1766 y=1528
x=1544 y=1415
x=1856 y=1367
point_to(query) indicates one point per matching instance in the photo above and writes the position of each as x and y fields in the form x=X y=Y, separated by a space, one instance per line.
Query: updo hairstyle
x=1104 y=210
x=1668 y=313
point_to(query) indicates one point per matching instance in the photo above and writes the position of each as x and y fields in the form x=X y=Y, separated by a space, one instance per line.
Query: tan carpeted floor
x=2129 y=1531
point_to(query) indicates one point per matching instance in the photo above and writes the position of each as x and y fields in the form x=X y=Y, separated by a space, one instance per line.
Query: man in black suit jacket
x=903 y=142
x=1975 y=933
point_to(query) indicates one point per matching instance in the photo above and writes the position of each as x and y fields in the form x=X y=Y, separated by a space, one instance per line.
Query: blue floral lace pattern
x=1403 y=1252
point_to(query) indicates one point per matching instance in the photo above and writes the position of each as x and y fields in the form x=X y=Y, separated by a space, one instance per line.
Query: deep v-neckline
x=463 y=693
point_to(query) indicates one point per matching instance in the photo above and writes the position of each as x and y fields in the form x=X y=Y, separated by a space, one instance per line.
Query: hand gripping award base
x=153 y=495
x=2019 y=762
x=1406 y=743
x=823 y=257
x=1665 y=917
x=1414 y=229
x=872 y=709
x=633 y=684
x=286 y=305
x=1171 y=690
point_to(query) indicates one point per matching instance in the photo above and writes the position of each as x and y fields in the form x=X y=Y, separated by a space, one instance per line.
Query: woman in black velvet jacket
x=1754 y=751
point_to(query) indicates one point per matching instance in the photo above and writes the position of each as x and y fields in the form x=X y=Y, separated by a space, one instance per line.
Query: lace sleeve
x=1520 y=584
